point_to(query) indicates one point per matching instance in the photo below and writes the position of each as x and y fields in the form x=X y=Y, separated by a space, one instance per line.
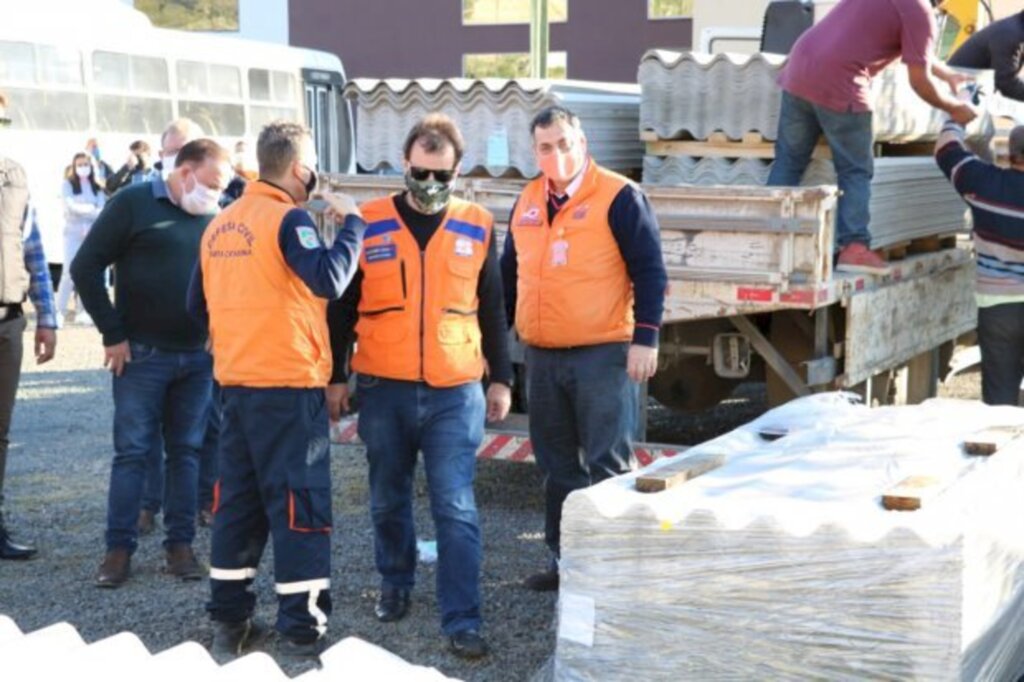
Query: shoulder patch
x=307 y=237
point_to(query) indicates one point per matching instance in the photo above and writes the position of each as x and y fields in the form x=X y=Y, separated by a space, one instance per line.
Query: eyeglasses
x=421 y=174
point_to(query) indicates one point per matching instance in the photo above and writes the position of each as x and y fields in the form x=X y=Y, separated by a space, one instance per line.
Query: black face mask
x=312 y=183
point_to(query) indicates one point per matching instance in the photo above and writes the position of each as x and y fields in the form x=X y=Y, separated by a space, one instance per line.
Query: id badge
x=559 y=253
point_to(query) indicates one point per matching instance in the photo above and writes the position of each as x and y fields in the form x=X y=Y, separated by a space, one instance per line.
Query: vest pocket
x=456 y=332
x=463 y=274
x=383 y=287
x=384 y=326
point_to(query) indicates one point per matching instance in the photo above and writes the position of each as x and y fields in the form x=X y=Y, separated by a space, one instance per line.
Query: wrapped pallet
x=783 y=564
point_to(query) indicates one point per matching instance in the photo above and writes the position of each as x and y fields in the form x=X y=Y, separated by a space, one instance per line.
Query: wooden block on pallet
x=912 y=492
x=678 y=472
x=988 y=441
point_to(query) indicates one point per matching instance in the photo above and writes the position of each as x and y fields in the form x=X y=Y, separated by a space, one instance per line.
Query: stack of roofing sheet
x=782 y=564
x=910 y=197
x=494 y=117
x=693 y=94
x=58 y=652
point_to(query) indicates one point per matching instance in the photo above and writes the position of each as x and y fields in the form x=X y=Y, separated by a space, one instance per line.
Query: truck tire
x=689 y=384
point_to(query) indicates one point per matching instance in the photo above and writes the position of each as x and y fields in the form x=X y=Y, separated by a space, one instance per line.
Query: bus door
x=330 y=118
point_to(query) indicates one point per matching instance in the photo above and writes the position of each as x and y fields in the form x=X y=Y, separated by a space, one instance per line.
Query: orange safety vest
x=267 y=327
x=418 y=310
x=573 y=288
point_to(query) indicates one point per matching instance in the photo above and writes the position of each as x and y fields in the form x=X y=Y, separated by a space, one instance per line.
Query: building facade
x=589 y=39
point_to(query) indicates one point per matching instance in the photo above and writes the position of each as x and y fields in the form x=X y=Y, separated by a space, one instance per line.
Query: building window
x=510 y=65
x=509 y=11
x=669 y=9
x=192 y=15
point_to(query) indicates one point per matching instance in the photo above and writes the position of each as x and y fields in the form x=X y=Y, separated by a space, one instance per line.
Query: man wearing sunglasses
x=430 y=324
x=585 y=283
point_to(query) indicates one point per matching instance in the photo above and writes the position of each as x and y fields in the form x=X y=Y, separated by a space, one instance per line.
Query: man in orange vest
x=431 y=323
x=585 y=283
x=263 y=282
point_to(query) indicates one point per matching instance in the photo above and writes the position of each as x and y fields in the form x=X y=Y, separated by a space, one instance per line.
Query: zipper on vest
x=423 y=305
x=405 y=293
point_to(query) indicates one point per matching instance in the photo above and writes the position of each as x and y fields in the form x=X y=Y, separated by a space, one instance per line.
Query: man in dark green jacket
x=150 y=233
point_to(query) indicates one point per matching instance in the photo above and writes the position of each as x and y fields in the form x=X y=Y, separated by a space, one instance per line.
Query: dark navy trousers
x=275 y=480
x=583 y=409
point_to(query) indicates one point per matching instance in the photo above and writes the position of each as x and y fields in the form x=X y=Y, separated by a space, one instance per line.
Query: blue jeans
x=153 y=496
x=583 y=410
x=396 y=420
x=851 y=138
x=158 y=392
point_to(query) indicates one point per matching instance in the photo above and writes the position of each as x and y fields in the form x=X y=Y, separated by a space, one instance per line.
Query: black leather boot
x=9 y=549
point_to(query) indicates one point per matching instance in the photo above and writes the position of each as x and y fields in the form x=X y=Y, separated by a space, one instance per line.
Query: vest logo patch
x=230 y=240
x=530 y=217
x=307 y=237
x=581 y=212
x=463 y=247
x=375 y=254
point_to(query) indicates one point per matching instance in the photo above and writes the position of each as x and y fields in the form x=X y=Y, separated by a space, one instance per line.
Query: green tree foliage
x=192 y=15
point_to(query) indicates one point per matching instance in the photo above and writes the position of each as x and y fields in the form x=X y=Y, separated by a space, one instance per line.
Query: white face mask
x=83 y=171
x=167 y=165
x=201 y=200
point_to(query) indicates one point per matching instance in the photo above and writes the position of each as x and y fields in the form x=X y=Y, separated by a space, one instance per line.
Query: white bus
x=74 y=70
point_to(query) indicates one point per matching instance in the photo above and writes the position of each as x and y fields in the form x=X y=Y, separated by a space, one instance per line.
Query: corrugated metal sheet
x=494 y=117
x=692 y=94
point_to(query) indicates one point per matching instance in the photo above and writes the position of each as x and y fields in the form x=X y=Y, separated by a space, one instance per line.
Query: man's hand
x=641 y=363
x=499 y=402
x=337 y=400
x=46 y=345
x=963 y=113
x=956 y=79
x=116 y=357
x=340 y=206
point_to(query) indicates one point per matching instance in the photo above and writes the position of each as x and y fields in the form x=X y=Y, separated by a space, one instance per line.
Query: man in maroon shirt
x=827 y=83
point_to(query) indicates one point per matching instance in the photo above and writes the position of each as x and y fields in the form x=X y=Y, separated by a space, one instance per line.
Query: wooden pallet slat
x=912 y=492
x=678 y=472
x=988 y=441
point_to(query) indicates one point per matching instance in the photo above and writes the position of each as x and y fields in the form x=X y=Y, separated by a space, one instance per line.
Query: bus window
x=121 y=114
x=271 y=86
x=47 y=109
x=28 y=64
x=133 y=73
x=17 y=63
x=219 y=120
x=284 y=86
x=59 y=66
x=260 y=116
x=259 y=84
x=196 y=79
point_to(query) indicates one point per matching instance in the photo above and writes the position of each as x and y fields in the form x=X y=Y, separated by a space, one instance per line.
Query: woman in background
x=83 y=201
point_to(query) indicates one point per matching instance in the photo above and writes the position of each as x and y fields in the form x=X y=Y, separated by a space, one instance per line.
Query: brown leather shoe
x=115 y=568
x=147 y=522
x=182 y=563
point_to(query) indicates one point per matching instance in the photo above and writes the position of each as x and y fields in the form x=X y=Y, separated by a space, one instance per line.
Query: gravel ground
x=56 y=487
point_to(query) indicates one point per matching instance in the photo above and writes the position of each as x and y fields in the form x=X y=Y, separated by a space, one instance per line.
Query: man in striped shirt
x=996 y=198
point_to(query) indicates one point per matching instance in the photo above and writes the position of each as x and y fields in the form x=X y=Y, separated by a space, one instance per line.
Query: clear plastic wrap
x=783 y=565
